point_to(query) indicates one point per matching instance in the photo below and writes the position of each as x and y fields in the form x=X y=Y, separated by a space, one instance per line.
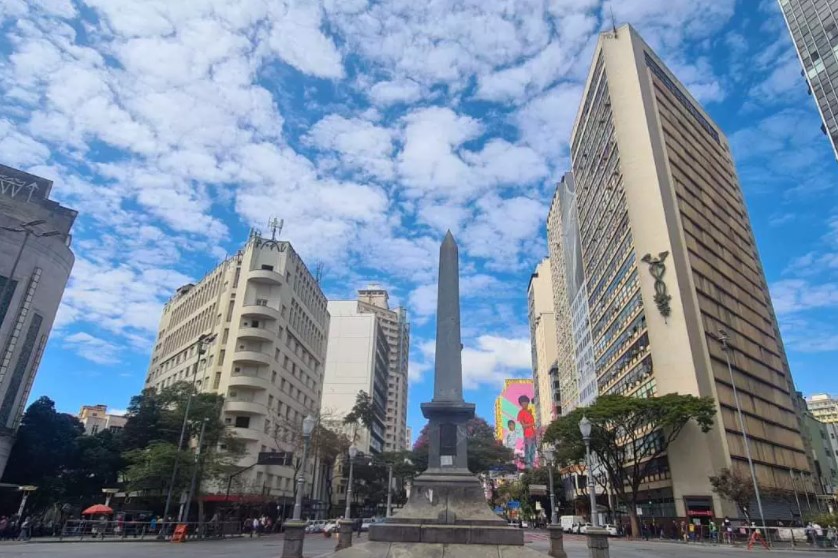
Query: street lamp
x=723 y=339
x=347 y=513
x=549 y=453
x=585 y=430
x=204 y=340
x=28 y=230
x=27 y=490
x=308 y=428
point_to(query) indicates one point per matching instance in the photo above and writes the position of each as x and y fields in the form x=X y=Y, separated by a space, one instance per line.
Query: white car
x=330 y=527
x=612 y=530
x=583 y=529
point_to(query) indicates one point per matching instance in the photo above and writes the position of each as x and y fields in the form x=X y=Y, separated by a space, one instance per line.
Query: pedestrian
x=714 y=532
x=247 y=526
x=357 y=526
x=256 y=525
x=24 y=529
x=728 y=530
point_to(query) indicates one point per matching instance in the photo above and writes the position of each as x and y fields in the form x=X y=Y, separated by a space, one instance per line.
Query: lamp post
x=347 y=513
x=549 y=454
x=389 y=489
x=202 y=342
x=28 y=229
x=723 y=339
x=27 y=490
x=585 y=430
x=308 y=428
x=185 y=516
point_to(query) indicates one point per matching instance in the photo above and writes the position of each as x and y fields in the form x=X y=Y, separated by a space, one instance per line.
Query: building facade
x=271 y=327
x=396 y=328
x=96 y=418
x=35 y=264
x=543 y=343
x=566 y=369
x=357 y=361
x=823 y=456
x=813 y=25
x=824 y=407
x=670 y=261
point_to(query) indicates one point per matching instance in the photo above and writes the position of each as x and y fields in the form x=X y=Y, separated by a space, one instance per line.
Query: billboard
x=515 y=421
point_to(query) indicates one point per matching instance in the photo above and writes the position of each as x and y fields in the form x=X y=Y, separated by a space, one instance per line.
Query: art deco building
x=96 y=418
x=271 y=327
x=544 y=344
x=376 y=300
x=813 y=25
x=35 y=264
x=669 y=260
x=823 y=407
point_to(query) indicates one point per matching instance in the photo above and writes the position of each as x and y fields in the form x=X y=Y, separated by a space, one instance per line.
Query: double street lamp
x=585 y=430
x=549 y=453
x=308 y=428
x=347 y=513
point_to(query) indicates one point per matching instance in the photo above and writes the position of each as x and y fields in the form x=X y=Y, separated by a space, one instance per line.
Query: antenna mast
x=276 y=227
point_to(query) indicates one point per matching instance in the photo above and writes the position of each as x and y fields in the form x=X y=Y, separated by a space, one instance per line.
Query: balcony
x=241 y=406
x=259 y=311
x=252 y=358
x=247 y=433
x=265 y=277
x=257 y=334
x=249 y=380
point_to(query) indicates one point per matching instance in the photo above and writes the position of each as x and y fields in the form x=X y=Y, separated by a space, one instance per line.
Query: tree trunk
x=634 y=521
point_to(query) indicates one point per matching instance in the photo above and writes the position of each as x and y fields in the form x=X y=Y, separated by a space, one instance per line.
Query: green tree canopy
x=629 y=436
x=485 y=453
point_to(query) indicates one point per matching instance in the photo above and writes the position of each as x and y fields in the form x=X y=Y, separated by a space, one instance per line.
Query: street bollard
x=344 y=534
x=597 y=542
x=556 y=541
x=295 y=532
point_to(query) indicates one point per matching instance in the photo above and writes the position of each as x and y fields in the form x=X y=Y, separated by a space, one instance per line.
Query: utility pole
x=185 y=516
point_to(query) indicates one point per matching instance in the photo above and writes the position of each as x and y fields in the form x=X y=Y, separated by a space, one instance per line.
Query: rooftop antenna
x=613 y=21
x=276 y=227
x=318 y=272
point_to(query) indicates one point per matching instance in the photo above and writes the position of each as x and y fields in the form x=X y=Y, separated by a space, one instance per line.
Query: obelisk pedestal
x=447 y=503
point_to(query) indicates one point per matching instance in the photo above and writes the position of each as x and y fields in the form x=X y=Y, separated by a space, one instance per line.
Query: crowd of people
x=15 y=528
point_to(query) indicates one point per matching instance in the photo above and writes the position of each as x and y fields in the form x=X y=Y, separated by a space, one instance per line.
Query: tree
x=149 y=420
x=736 y=487
x=365 y=412
x=629 y=437
x=485 y=453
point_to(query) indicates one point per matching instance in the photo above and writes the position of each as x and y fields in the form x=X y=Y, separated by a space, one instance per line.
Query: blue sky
x=371 y=128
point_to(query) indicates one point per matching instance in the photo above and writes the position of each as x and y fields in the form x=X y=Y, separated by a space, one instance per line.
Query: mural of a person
x=527 y=422
x=511 y=439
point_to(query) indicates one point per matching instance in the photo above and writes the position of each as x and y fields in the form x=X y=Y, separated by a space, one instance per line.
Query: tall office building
x=357 y=361
x=669 y=259
x=35 y=264
x=271 y=327
x=824 y=407
x=814 y=28
x=543 y=343
x=397 y=330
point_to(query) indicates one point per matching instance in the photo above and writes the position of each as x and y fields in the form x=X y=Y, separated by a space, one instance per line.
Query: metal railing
x=144 y=530
x=776 y=537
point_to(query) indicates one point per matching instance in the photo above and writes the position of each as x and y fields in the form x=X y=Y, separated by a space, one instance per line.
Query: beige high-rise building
x=394 y=323
x=96 y=418
x=669 y=260
x=271 y=327
x=543 y=343
x=823 y=407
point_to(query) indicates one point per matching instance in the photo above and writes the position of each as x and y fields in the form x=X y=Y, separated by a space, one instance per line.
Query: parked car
x=330 y=527
x=612 y=530
x=315 y=525
x=583 y=529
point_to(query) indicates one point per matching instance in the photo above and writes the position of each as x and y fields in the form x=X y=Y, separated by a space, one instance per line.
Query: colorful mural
x=515 y=421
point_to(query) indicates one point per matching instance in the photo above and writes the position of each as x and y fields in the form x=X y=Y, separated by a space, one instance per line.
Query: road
x=317 y=545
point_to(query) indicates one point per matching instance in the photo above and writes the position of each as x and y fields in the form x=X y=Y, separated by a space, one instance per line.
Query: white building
x=394 y=323
x=357 y=361
x=39 y=263
x=823 y=406
x=96 y=418
x=271 y=325
x=543 y=343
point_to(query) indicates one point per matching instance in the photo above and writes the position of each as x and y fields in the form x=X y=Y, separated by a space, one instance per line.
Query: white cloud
x=493 y=359
x=92 y=348
x=361 y=145
x=297 y=37
x=392 y=92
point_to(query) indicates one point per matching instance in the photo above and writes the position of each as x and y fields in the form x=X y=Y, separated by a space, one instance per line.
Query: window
x=267 y=267
x=242 y=422
x=261 y=302
x=95 y=429
x=254 y=323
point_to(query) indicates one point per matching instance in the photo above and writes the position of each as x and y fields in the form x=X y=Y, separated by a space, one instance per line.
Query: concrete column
x=344 y=534
x=556 y=541
x=598 y=542
x=295 y=532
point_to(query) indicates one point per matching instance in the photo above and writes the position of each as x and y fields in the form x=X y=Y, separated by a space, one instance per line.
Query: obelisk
x=447 y=503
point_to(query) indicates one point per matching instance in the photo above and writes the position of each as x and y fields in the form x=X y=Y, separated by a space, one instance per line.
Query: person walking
x=24 y=529
x=255 y=527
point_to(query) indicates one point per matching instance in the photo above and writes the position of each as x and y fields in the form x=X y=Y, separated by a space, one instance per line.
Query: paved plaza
x=317 y=545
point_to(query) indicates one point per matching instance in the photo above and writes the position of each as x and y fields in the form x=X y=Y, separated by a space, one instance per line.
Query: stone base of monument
x=429 y=550
x=447 y=507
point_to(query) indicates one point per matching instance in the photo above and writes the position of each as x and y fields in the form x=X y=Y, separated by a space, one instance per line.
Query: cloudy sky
x=370 y=128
